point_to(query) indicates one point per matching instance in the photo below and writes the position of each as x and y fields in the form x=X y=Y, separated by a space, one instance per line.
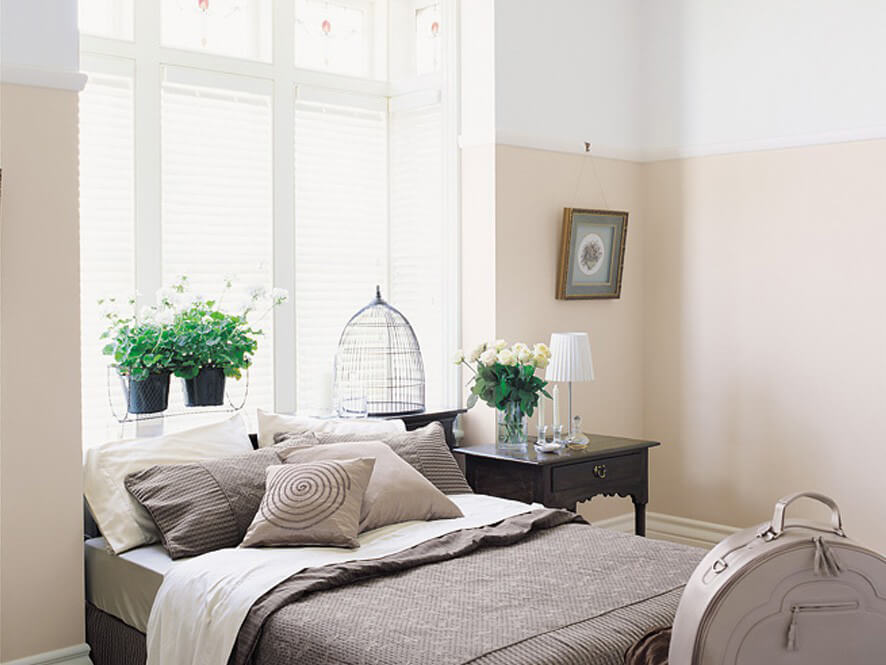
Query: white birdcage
x=378 y=366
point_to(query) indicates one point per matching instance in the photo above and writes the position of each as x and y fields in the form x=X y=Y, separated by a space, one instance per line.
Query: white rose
x=499 y=344
x=458 y=357
x=488 y=358
x=525 y=356
x=541 y=349
x=476 y=353
x=519 y=346
x=540 y=360
x=506 y=357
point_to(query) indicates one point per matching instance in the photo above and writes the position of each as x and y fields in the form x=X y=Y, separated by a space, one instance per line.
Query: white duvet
x=202 y=602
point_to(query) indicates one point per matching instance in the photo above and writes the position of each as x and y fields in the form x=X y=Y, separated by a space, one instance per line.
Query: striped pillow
x=203 y=506
x=424 y=448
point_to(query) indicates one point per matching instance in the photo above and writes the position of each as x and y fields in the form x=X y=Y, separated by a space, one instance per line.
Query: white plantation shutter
x=340 y=228
x=107 y=245
x=217 y=200
x=417 y=263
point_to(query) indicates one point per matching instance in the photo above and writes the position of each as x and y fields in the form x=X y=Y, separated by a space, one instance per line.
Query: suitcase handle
x=776 y=527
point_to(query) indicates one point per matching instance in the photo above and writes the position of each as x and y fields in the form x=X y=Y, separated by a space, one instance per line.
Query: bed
x=508 y=583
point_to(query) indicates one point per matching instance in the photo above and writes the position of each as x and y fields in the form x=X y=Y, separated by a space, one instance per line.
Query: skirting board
x=75 y=655
x=672 y=528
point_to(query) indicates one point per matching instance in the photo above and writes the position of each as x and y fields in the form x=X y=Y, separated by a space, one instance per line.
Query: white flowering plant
x=504 y=376
x=140 y=346
x=185 y=332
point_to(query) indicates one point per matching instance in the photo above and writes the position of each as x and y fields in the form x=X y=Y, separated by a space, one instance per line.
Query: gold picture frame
x=592 y=250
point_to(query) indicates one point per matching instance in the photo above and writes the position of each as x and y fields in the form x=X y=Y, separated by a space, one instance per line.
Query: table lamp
x=570 y=362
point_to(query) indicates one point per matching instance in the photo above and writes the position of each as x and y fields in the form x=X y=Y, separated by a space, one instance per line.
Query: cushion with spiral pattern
x=316 y=503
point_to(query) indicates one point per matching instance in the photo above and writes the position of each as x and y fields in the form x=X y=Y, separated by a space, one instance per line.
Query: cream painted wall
x=766 y=319
x=41 y=543
x=532 y=187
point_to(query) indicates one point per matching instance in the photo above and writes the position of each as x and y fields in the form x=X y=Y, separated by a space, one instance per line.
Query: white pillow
x=270 y=424
x=123 y=522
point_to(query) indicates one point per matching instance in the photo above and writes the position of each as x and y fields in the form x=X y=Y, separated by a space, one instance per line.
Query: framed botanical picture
x=592 y=254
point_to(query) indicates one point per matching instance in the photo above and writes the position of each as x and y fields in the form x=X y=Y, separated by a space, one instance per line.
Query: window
x=106 y=18
x=217 y=214
x=341 y=234
x=334 y=37
x=201 y=155
x=235 y=28
x=427 y=39
x=107 y=236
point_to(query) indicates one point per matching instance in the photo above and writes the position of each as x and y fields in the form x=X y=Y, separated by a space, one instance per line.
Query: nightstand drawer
x=601 y=472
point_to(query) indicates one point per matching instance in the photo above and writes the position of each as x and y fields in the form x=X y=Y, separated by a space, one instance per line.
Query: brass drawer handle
x=600 y=471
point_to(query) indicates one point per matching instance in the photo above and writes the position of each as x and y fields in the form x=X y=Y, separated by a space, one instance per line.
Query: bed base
x=113 y=642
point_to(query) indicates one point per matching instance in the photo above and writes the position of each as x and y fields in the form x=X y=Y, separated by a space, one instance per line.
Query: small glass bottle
x=576 y=440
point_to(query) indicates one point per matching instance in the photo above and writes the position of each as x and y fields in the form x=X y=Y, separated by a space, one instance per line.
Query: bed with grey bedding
x=542 y=587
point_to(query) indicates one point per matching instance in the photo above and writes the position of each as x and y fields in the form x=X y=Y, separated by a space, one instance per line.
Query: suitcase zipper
x=797 y=610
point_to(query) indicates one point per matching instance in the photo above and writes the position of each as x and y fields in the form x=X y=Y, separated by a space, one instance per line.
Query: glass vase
x=513 y=427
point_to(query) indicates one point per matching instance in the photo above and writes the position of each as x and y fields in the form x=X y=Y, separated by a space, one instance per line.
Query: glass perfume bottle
x=576 y=439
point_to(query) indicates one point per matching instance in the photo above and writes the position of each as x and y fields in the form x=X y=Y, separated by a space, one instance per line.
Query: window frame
x=148 y=60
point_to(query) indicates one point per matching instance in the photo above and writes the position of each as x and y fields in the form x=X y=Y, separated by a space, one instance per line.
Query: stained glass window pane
x=427 y=39
x=333 y=37
x=236 y=28
x=106 y=18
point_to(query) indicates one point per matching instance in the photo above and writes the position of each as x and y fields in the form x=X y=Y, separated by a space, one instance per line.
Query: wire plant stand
x=120 y=405
x=378 y=367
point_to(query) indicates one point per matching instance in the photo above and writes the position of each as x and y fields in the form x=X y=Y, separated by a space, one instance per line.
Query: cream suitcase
x=795 y=593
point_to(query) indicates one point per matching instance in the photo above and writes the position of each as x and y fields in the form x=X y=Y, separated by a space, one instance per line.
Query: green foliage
x=498 y=385
x=141 y=349
x=206 y=337
x=184 y=333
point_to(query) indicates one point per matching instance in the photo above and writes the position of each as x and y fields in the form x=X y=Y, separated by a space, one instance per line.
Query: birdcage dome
x=379 y=363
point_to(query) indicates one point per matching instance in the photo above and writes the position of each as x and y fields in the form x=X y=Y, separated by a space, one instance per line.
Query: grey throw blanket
x=561 y=592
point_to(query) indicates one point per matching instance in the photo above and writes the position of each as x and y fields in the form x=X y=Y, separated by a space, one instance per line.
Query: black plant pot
x=149 y=395
x=206 y=389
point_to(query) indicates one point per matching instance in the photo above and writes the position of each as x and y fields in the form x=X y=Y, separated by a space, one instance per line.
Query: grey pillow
x=424 y=448
x=396 y=491
x=203 y=506
x=316 y=503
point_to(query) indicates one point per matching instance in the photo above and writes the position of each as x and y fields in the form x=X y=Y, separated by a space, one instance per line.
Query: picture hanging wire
x=581 y=170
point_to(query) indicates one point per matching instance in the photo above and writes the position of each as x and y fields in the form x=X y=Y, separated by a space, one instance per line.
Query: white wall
x=567 y=71
x=40 y=34
x=725 y=76
x=651 y=80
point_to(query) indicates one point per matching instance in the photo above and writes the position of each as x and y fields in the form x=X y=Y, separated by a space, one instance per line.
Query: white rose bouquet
x=504 y=377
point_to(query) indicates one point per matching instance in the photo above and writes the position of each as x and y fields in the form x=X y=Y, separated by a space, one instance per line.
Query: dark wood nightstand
x=609 y=465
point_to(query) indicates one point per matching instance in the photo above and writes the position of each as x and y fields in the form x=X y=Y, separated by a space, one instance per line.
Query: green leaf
x=472 y=400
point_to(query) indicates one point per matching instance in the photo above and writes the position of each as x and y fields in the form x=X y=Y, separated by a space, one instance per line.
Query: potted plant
x=143 y=350
x=211 y=343
x=504 y=377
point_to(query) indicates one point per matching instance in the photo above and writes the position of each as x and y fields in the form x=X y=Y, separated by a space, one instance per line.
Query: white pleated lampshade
x=570 y=358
